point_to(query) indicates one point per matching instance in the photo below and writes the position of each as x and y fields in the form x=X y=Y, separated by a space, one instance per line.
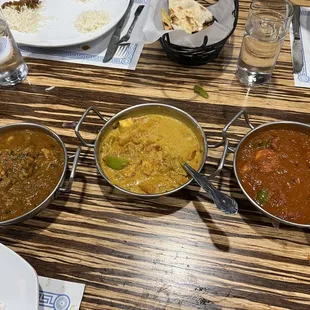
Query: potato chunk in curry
x=143 y=154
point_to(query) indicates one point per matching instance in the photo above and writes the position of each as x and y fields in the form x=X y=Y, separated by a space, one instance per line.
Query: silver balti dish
x=270 y=125
x=139 y=110
x=64 y=185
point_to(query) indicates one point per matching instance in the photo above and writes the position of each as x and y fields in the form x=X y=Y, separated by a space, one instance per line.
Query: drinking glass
x=265 y=30
x=13 y=69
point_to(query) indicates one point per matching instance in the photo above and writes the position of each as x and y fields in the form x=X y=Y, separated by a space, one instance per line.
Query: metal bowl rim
x=193 y=120
x=28 y=215
x=276 y=218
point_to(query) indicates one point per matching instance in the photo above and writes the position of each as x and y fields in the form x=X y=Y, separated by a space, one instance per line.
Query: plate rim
x=25 y=263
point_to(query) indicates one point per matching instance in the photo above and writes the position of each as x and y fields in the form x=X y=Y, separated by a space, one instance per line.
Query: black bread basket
x=196 y=56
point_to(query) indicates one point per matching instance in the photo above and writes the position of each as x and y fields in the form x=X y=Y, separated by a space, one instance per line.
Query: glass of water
x=265 y=31
x=13 y=69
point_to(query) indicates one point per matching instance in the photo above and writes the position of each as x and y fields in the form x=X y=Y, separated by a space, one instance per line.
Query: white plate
x=19 y=287
x=59 y=30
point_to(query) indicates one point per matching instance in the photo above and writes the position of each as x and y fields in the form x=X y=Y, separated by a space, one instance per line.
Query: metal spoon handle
x=222 y=201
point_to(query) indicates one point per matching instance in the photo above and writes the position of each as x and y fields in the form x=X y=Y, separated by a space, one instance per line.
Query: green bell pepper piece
x=262 y=196
x=199 y=90
x=116 y=163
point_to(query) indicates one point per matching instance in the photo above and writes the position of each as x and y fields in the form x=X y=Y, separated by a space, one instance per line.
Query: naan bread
x=166 y=20
x=189 y=15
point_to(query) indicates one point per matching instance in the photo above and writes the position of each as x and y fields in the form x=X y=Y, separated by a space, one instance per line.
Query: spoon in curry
x=222 y=201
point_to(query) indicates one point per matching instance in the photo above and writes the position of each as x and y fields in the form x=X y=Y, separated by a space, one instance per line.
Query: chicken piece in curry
x=274 y=169
x=31 y=165
x=144 y=154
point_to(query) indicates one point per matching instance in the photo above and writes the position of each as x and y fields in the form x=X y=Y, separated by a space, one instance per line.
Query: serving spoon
x=222 y=201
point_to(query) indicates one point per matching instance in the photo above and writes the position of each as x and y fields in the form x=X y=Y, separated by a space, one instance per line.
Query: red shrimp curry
x=273 y=165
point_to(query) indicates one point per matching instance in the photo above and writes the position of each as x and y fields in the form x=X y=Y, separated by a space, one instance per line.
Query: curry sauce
x=31 y=165
x=274 y=169
x=144 y=154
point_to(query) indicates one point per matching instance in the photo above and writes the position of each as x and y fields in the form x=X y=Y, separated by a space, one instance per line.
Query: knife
x=297 y=48
x=113 y=45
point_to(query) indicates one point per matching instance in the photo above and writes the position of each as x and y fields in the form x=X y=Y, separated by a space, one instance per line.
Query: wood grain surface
x=173 y=252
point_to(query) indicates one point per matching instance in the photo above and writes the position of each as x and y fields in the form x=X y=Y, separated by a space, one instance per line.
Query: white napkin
x=57 y=294
x=302 y=79
x=149 y=27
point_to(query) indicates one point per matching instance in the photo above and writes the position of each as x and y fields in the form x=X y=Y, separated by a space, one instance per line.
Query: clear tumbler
x=13 y=69
x=265 y=30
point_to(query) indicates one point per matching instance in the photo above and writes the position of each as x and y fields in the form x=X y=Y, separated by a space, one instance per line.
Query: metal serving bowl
x=60 y=187
x=139 y=110
x=294 y=125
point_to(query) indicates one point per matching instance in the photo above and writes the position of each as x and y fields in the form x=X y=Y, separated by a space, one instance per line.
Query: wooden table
x=175 y=252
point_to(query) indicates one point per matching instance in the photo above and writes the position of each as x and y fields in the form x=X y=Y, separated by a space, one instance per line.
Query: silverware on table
x=297 y=48
x=126 y=37
x=116 y=38
x=122 y=50
x=222 y=201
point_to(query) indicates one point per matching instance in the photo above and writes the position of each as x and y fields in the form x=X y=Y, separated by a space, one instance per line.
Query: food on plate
x=19 y=5
x=143 y=154
x=24 y=16
x=90 y=21
x=187 y=15
x=273 y=166
x=31 y=165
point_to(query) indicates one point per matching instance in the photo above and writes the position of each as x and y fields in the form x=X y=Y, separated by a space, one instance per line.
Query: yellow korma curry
x=143 y=154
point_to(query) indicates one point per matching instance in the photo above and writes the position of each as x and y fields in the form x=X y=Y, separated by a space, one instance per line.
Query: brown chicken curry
x=31 y=165
x=274 y=169
x=144 y=154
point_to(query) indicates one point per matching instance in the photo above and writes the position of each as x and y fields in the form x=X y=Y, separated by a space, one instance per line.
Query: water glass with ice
x=13 y=68
x=265 y=30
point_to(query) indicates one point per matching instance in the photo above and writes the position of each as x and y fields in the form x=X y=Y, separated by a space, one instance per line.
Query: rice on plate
x=59 y=23
x=24 y=18
x=90 y=21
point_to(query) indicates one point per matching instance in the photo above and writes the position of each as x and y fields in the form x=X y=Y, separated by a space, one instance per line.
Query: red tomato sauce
x=273 y=165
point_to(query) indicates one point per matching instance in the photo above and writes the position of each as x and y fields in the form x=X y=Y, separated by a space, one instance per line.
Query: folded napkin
x=302 y=79
x=59 y=295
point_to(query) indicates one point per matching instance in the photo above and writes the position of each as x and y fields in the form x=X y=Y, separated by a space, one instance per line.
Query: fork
x=121 y=50
x=126 y=37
